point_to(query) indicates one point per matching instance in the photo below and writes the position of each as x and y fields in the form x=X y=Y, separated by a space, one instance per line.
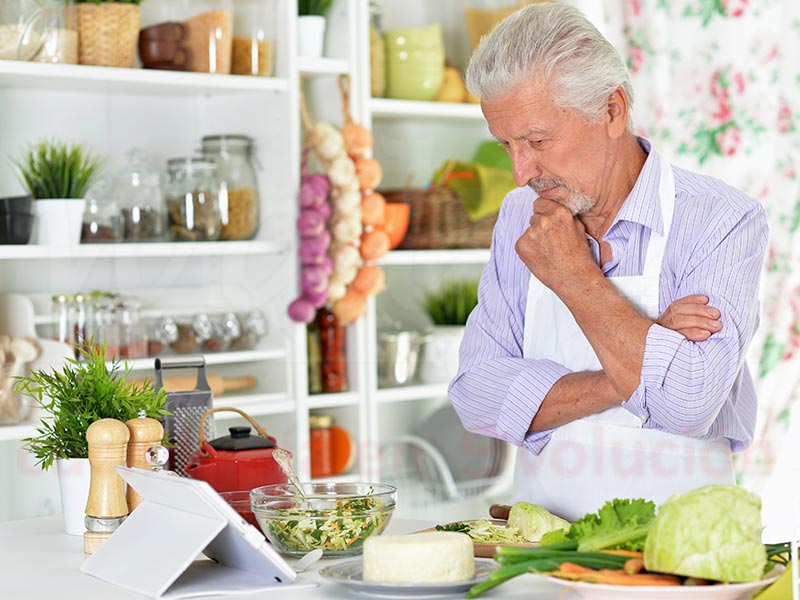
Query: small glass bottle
x=132 y=339
x=192 y=199
x=79 y=321
x=332 y=352
x=238 y=184
x=320 y=445
x=61 y=313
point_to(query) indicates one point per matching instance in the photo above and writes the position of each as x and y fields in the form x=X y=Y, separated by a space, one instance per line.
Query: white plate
x=350 y=574
x=722 y=591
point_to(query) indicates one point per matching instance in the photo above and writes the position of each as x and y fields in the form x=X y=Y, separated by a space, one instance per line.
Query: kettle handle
x=261 y=431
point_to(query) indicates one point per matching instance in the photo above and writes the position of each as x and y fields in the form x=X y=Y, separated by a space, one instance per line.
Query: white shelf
x=316 y=401
x=221 y=358
x=142 y=250
x=477 y=256
x=19 y=74
x=385 y=108
x=322 y=66
x=255 y=405
x=412 y=392
x=16 y=432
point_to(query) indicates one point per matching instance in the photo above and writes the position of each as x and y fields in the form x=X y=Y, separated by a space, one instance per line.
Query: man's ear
x=617 y=113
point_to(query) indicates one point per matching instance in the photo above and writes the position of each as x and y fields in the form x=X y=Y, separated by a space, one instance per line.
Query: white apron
x=609 y=455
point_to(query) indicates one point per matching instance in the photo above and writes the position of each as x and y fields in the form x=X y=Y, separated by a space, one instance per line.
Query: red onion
x=312 y=280
x=310 y=223
x=327 y=266
x=312 y=251
x=301 y=311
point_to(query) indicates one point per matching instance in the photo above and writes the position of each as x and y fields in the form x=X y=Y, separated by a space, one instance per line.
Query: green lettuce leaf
x=619 y=524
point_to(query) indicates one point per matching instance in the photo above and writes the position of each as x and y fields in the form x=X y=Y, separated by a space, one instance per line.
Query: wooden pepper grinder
x=145 y=432
x=106 y=508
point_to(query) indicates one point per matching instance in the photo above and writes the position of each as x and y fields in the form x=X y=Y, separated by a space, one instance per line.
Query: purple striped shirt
x=699 y=389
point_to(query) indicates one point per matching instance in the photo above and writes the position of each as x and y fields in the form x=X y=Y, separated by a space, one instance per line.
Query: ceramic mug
x=414 y=63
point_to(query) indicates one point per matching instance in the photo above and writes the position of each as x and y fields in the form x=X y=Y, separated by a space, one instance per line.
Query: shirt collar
x=643 y=204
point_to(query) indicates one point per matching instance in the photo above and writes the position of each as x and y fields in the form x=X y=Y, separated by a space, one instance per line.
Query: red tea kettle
x=238 y=461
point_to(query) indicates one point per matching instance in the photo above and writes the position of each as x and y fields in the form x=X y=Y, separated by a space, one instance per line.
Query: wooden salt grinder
x=145 y=432
x=106 y=507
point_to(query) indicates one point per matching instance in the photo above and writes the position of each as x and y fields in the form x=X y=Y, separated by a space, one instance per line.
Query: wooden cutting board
x=486 y=550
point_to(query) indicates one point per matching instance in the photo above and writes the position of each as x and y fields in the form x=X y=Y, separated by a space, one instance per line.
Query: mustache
x=542 y=184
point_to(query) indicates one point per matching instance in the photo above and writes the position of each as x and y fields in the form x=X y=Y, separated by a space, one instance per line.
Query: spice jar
x=103 y=329
x=192 y=200
x=208 y=334
x=132 y=338
x=60 y=310
x=163 y=333
x=238 y=184
x=333 y=364
x=320 y=445
x=230 y=328
x=253 y=328
x=102 y=222
x=253 y=37
x=138 y=191
x=186 y=340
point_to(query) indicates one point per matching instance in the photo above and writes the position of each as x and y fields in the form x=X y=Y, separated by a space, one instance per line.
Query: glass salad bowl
x=334 y=517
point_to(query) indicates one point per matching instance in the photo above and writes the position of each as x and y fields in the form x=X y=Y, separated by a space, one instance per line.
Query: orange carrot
x=633 y=566
x=618 y=577
x=569 y=567
x=629 y=553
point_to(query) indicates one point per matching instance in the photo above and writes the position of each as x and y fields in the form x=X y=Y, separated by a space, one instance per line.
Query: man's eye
x=535 y=142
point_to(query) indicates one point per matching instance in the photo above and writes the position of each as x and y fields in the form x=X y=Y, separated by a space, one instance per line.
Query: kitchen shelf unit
x=217 y=358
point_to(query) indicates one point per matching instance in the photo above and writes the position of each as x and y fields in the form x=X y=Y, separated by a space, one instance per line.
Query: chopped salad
x=341 y=528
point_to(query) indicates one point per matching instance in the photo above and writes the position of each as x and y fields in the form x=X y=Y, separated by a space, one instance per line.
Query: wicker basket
x=109 y=33
x=438 y=221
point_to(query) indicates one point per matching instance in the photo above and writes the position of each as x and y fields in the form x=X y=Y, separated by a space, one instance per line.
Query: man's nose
x=525 y=166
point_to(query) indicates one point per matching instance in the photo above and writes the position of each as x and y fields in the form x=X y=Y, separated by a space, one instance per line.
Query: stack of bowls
x=414 y=63
x=16 y=219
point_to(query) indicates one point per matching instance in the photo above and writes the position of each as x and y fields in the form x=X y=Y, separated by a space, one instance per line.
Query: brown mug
x=169 y=30
x=163 y=52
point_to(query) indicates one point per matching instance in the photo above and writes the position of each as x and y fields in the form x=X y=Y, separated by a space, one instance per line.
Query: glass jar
x=102 y=328
x=238 y=184
x=230 y=327
x=138 y=191
x=132 y=337
x=253 y=37
x=102 y=222
x=186 y=340
x=377 y=52
x=209 y=36
x=208 y=333
x=42 y=31
x=314 y=359
x=163 y=333
x=320 y=445
x=333 y=364
x=253 y=328
x=60 y=310
x=192 y=200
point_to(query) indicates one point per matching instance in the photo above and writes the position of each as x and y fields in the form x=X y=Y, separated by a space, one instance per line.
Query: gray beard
x=577 y=202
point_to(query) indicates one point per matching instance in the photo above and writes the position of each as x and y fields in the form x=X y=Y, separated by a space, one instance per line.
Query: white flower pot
x=58 y=222
x=310 y=36
x=440 y=358
x=74 y=476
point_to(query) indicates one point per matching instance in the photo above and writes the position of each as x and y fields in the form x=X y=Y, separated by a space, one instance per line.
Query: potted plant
x=311 y=26
x=80 y=394
x=108 y=32
x=57 y=176
x=448 y=308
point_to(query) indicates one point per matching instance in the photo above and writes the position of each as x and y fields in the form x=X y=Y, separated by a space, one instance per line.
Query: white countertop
x=37 y=560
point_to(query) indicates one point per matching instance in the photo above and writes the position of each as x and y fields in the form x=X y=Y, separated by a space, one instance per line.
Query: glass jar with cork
x=238 y=184
x=192 y=192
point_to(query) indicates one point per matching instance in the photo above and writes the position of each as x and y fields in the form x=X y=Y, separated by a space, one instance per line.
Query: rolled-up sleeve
x=684 y=385
x=497 y=392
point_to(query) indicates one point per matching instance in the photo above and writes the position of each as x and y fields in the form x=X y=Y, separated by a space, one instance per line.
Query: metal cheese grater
x=187 y=408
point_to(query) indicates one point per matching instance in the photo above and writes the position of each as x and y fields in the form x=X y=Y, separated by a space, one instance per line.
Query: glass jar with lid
x=102 y=222
x=208 y=35
x=253 y=37
x=132 y=337
x=41 y=31
x=193 y=199
x=138 y=191
x=238 y=184
x=162 y=333
x=253 y=328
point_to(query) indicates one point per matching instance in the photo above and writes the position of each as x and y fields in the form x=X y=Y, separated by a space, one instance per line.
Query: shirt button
x=643 y=418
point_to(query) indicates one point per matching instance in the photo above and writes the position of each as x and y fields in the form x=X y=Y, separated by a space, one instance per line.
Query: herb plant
x=57 y=170
x=79 y=395
x=313 y=7
x=452 y=302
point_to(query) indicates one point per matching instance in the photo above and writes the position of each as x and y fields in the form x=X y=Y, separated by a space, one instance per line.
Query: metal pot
x=398 y=354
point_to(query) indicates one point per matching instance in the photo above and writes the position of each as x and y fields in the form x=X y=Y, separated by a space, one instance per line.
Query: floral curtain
x=717 y=87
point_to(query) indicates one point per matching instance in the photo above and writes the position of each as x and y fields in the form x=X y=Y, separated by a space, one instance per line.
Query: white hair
x=557 y=42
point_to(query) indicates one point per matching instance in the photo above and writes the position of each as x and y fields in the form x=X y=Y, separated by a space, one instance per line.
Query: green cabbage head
x=713 y=532
x=533 y=521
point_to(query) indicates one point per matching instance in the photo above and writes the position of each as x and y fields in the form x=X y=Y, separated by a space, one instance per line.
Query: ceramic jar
x=414 y=62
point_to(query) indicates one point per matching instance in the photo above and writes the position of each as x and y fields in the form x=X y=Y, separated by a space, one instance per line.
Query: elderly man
x=621 y=293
